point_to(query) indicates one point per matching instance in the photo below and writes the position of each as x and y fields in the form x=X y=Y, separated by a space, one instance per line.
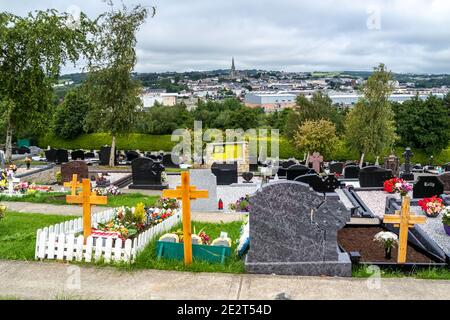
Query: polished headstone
x=78 y=167
x=203 y=179
x=427 y=186
x=293 y=231
x=373 y=177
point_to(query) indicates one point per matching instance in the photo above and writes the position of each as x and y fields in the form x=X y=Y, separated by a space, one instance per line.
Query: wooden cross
x=73 y=185
x=186 y=193
x=87 y=199
x=404 y=220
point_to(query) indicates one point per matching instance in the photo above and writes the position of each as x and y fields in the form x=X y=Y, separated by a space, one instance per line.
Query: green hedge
x=133 y=141
x=146 y=142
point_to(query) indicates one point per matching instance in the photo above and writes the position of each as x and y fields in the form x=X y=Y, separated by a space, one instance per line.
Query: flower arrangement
x=446 y=219
x=388 y=240
x=110 y=190
x=202 y=236
x=241 y=205
x=25 y=187
x=102 y=181
x=128 y=222
x=432 y=207
x=167 y=203
x=397 y=185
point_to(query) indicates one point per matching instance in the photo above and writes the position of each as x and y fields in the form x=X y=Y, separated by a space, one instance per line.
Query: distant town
x=270 y=90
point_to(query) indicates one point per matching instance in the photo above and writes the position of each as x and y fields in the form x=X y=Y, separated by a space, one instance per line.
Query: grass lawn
x=18 y=233
x=59 y=198
x=148 y=259
x=429 y=274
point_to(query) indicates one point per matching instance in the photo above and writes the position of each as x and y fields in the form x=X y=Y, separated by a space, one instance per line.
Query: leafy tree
x=316 y=136
x=69 y=118
x=163 y=120
x=423 y=124
x=320 y=106
x=32 y=50
x=370 y=126
x=113 y=93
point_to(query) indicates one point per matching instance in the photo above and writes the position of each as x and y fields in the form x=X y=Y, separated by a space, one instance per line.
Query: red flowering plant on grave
x=397 y=185
x=432 y=207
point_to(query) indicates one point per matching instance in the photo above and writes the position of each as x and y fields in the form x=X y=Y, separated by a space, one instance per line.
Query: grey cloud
x=290 y=35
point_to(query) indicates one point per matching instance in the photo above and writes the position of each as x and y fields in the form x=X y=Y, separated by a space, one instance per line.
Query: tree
x=423 y=124
x=32 y=50
x=69 y=118
x=320 y=106
x=370 y=127
x=113 y=94
x=316 y=136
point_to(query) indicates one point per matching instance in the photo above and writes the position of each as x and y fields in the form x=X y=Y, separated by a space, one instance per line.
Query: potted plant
x=397 y=185
x=446 y=220
x=241 y=205
x=388 y=240
x=432 y=207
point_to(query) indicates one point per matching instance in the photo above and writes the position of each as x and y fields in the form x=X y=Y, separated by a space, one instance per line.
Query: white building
x=166 y=99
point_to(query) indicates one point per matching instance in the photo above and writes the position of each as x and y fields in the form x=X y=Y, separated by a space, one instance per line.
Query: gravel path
x=375 y=200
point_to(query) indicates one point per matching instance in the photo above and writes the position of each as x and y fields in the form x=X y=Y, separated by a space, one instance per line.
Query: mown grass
x=58 y=198
x=428 y=274
x=18 y=233
x=148 y=258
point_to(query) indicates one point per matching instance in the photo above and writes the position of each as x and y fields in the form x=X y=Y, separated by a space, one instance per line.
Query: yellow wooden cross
x=186 y=193
x=73 y=185
x=87 y=199
x=404 y=220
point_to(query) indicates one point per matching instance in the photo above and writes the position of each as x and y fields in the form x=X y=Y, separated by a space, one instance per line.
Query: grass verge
x=428 y=274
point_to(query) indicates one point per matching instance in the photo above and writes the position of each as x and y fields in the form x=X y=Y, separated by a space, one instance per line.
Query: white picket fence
x=59 y=241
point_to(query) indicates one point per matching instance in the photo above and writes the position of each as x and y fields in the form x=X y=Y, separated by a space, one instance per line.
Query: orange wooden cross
x=404 y=220
x=73 y=185
x=87 y=199
x=186 y=193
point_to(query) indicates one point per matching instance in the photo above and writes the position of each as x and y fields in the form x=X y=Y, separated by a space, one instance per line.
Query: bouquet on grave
x=241 y=205
x=387 y=240
x=167 y=203
x=397 y=185
x=127 y=223
x=432 y=207
x=21 y=187
x=446 y=216
x=155 y=216
x=110 y=190
x=36 y=188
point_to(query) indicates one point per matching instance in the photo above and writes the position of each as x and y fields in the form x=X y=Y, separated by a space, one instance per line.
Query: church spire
x=233 y=69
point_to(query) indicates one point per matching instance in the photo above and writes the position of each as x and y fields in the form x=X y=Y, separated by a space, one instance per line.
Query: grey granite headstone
x=204 y=179
x=445 y=179
x=293 y=231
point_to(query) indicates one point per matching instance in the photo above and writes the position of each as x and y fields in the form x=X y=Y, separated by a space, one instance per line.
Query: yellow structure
x=87 y=199
x=73 y=185
x=186 y=193
x=404 y=220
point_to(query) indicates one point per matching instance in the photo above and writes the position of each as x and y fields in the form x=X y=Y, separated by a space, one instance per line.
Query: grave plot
x=118 y=234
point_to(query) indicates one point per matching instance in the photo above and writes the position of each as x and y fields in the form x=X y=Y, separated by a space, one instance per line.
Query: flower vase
x=447 y=229
x=432 y=215
x=388 y=253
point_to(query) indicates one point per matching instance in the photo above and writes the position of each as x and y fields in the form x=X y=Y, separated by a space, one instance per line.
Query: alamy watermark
x=374 y=17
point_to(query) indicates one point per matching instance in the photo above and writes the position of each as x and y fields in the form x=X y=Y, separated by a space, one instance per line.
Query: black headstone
x=168 y=162
x=104 y=155
x=297 y=170
x=374 y=177
x=336 y=167
x=78 y=155
x=284 y=165
x=131 y=155
x=318 y=184
x=447 y=167
x=50 y=155
x=247 y=176
x=226 y=173
x=146 y=174
x=427 y=186
x=62 y=156
x=24 y=150
x=351 y=172
x=89 y=155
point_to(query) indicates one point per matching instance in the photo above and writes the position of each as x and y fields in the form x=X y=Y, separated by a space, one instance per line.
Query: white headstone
x=204 y=179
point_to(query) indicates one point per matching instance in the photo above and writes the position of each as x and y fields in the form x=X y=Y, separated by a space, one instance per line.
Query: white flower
x=385 y=236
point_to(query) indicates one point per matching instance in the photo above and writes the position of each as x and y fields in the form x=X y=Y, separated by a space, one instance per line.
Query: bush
x=133 y=141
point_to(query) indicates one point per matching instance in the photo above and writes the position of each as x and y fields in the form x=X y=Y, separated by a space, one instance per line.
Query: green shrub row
x=146 y=142
x=133 y=141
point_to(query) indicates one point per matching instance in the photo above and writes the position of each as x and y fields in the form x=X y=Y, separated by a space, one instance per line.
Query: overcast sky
x=289 y=35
